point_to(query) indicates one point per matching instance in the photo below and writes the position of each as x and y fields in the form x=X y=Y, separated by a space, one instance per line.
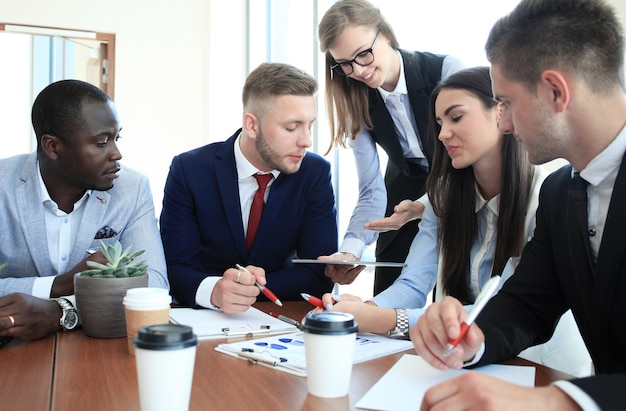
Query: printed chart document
x=216 y=324
x=404 y=385
x=286 y=352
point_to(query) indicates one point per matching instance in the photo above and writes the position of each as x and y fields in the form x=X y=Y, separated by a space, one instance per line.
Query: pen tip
x=305 y=296
x=448 y=350
x=279 y=303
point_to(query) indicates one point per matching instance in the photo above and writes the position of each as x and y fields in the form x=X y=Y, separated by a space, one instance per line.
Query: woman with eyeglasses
x=483 y=194
x=377 y=94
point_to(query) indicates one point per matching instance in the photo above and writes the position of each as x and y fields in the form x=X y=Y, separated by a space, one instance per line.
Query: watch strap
x=66 y=306
x=402 y=324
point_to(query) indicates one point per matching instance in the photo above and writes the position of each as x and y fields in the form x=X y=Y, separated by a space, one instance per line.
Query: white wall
x=177 y=83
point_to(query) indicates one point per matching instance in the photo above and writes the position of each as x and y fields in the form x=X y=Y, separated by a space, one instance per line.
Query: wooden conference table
x=70 y=371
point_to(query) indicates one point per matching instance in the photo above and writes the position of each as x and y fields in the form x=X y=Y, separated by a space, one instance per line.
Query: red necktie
x=257 y=207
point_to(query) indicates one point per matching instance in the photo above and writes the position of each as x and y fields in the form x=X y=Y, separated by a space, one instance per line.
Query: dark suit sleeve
x=551 y=278
x=316 y=236
x=181 y=235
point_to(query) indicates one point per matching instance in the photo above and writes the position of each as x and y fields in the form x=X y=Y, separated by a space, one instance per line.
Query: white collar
x=401 y=87
x=493 y=204
x=244 y=167
x=45 y=196
x=608 y=160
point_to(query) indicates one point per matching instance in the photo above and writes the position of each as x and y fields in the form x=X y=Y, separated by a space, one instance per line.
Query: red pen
x=272 y=297
x=485 y=295
x=313 y=300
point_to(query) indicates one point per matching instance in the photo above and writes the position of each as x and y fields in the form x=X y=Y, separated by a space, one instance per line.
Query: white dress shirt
x=61 y=231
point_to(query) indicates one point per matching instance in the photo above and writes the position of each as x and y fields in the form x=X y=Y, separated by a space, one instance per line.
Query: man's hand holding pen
x=440 y=324
x=237 y=290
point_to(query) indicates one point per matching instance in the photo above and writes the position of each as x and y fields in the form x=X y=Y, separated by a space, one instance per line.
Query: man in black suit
x=558 y=69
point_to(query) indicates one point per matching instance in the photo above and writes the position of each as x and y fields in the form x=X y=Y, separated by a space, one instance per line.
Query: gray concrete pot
x=99 y=304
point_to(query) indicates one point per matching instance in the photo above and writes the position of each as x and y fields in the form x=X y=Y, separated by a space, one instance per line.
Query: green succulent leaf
x=120 y=263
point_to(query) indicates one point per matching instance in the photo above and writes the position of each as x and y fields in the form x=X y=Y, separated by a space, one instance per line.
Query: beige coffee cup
x=145 y=306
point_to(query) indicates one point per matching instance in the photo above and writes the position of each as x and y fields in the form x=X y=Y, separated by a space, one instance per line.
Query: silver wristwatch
x=69 y=318
x=402 y=324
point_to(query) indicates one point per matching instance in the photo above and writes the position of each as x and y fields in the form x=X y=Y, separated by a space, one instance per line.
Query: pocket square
x=105 y=232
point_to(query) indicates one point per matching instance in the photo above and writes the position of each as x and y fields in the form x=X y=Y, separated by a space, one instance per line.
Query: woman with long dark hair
x=483 y=193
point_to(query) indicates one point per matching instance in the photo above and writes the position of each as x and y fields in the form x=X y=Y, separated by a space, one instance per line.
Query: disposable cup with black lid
x=165 y=355
x=329 y=339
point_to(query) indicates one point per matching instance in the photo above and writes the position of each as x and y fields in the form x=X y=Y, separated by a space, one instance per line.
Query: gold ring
x=12 y=320
x=238 y=274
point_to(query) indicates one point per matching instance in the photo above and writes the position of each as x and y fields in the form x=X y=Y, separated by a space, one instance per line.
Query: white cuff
x=579 y=396
x=353 y=246
x=477 y=357
x=42 y=287
x=204 y=292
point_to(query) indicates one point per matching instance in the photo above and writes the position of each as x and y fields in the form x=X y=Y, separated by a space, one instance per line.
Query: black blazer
x=554 y=274
x=405 y=179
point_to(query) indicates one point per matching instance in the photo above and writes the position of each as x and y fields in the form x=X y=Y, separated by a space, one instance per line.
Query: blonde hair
x=347 y=102
x=275 y=79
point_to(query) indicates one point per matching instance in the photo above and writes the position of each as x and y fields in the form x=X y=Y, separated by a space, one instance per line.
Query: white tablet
x=347 y=262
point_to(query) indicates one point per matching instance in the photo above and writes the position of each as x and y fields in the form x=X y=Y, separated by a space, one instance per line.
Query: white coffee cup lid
x=147 y=298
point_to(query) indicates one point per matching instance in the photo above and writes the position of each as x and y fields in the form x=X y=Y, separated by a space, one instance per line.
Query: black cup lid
x=330 y=323
x=165 y=337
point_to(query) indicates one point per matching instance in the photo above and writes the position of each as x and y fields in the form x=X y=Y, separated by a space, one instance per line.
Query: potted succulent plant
x=100 y=290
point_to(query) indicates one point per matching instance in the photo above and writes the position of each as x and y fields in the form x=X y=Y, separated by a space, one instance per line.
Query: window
x=286 y=31
x=40 y=56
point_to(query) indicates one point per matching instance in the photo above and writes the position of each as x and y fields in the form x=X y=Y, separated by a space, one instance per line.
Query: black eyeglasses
x=364 y=58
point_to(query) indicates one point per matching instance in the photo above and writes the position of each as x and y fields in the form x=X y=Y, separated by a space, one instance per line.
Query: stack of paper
x=216 y=324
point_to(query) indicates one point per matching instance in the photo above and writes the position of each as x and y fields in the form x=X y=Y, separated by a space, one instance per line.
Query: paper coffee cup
x=165 y=355
x=329 y=339
x=145 y=306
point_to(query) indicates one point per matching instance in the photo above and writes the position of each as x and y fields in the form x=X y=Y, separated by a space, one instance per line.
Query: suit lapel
x=279 y=192
x=228 y=186
x=93 y=216
x=609 y=273
x=419 y=96
x=31 y=216
x=384 y=131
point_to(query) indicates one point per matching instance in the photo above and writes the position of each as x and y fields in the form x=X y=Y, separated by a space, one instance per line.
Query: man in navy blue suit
x=210 y=190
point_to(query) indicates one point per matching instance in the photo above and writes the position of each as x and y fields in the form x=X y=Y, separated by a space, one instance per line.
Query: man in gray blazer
x=58 y=203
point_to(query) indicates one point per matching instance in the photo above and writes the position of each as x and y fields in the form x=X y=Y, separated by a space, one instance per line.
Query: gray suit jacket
x=127 y=209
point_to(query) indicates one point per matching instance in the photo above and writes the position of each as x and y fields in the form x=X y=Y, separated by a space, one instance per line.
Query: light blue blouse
x=419 y=276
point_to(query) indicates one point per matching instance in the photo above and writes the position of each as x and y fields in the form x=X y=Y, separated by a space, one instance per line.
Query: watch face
x=70 y=319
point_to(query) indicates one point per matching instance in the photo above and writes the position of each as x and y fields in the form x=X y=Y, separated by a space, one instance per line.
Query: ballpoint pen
x=313 y=300
x=286 y=319
x=485 y=295
x=250 y=355
x=263 y=288
x=335 y=292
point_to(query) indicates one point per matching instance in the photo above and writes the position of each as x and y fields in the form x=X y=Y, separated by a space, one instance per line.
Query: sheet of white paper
x=211 y=324
x=403 y=386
